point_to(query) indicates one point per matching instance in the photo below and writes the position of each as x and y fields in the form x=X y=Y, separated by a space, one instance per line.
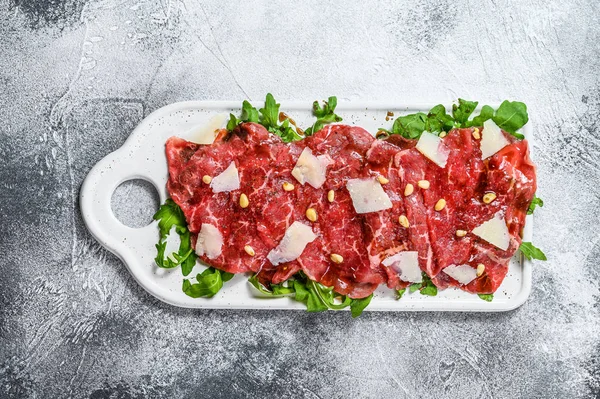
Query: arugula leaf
x=531 y=252
x=314 y=303
x=286 y=132
x=315 y=296
x=438 y=120
x=328 y=296
x=209 y=282
x=169 y=215
x=186 y=257
x=233 y=122
x=425 y=288
x=160 y=255
x=536 y=201
x=511 y=116
x=277 y=123
x=269 y=115
x=325 y=115
x=486 y=297
x=486 y=113
x=429 y=288
x=274 y=290
x=269 y=118
x=188 y=263
x=300 y=290
x=462 y=111
x=308 y=295
x=410 y=126
x=414 y=287
x=327 y=109
x=249 y=113
x=358 y=305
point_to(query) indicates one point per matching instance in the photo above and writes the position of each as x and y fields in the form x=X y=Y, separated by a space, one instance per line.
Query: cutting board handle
x=95 y=201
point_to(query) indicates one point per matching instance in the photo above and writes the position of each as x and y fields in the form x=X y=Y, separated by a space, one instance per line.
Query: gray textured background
x=76 y=78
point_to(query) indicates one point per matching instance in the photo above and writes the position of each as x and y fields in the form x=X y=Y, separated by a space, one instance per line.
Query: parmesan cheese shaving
x=433 y=148
x=464 y=274
x=311 y=169
x=492 y=140
x=406 y=264
x=368 y=195
x=209 y=242
x=228 y=180
x=291 y=246
x=207 y=132
x=494 y=231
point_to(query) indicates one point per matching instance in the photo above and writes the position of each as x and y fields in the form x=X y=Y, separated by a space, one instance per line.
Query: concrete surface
x=76 y=78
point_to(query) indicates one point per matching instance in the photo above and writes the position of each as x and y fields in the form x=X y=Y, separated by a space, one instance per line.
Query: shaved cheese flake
x=207 y=132
x=494 y=231
x=464 y=274
x=291 y=246
x=209 y=242
x=229 y=180
x=406 y=264
x=433 y=148
x=368 y=195
x=311 y=169
x=492 y=140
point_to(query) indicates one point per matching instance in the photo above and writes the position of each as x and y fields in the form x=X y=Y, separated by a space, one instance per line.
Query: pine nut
x=244 y=201
x=403 y=221
x=443 y=134
x=382 y=134
x=480 y=269
x=424 y=184
x=288 y=186
x=311 y=214
x=441 y=204
x=335 y=258
x=489 y=197
x=382 y=179
x=476 y=134
x=330 y=195
x=206 y=179
x=249 y=250
x=409 y=190
x=461 y=233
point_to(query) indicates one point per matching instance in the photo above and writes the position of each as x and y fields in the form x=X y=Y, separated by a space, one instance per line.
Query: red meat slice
x=459 y=185
x=196 y=199
x=263 y=224
x=384 y=236
x=341 y=228
x=338 y=228
x=200 y=205
x=412 y=167
x=511 y=176
x=400 y=142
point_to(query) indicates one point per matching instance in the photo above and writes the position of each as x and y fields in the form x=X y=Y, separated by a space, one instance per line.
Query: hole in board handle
x=134 y=202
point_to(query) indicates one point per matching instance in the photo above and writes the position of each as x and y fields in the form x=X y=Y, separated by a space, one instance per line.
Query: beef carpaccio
x=351 y=211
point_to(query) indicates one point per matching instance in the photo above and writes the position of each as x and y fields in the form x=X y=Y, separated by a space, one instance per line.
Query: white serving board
x=142 y=156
